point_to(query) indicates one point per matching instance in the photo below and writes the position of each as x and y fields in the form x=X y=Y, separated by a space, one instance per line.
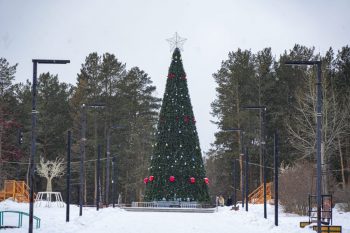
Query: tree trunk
x=49 y=184
x=339 y=144
x=140 y=194
x=28 y=170
x=126 y=186
x=241 y=174
x=341 y=164
x=240 y=141
x=95 y=151
x=324 y=170
x=85 y=192
x=261 y=135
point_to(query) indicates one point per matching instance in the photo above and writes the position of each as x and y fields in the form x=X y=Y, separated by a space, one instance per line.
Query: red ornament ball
x=151 y=178
x=145 y=180
x=206 y=180
x=172 y=178
x=186 y=119
x=192 y=180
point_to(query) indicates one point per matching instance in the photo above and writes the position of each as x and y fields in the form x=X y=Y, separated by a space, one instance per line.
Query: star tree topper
x=176 y=42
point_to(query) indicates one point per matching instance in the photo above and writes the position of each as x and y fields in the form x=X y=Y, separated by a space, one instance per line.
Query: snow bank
x=117 y=220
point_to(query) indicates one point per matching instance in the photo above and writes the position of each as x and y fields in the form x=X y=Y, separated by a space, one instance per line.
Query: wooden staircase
x=17 y=190
x=257 y=196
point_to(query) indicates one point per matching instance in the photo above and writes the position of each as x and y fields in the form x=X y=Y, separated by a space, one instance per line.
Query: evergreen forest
x=130 y=112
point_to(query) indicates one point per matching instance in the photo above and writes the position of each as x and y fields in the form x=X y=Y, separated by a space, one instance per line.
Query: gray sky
x=135 y=31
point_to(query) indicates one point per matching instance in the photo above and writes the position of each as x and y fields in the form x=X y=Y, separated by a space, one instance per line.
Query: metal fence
x=166 y=204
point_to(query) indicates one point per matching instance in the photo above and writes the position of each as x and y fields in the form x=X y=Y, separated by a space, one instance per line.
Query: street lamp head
x=96 y=105
x=254 y=108
x=49 y=61
x=118 y=127
x=292 y=63
x=233 y=130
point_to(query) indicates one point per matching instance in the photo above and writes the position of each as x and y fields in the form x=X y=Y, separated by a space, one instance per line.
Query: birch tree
x=302 y=131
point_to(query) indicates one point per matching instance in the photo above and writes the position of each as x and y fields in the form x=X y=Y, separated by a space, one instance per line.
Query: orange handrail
x=257 y=196
x=18 y=190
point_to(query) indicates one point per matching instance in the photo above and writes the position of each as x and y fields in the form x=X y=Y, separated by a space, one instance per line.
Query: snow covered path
x=117 y=220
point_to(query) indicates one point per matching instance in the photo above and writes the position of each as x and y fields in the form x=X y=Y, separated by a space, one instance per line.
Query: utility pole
x=82 y=157
x=246 y=178
x=262 y=152
x=318 y=133
x=98 y=178
x=33 y=142
x=114 y=182
x=276 y=163
x=241 y=133
x=68 y=175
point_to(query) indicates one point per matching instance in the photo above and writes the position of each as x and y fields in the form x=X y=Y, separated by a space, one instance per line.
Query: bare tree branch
x=302 y=130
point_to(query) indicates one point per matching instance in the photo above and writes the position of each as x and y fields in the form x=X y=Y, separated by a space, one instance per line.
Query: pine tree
x=130 y=105
x=54 y=118
x=177 y=151
x=8 y=123
x=236 y=87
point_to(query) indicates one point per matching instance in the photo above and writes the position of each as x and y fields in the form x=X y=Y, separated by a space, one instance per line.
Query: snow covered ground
x=117 y=220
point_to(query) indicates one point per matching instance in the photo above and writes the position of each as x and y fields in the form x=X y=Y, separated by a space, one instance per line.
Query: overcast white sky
x=135 y=31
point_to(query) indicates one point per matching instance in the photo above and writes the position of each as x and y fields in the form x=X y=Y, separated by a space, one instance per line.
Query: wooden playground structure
x=257 y=196
x=17 y=190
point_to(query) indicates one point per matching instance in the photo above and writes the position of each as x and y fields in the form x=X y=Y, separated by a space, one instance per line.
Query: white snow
x=107 y=220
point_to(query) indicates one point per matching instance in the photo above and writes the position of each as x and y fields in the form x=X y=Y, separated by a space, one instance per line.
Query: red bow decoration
x=171 y=75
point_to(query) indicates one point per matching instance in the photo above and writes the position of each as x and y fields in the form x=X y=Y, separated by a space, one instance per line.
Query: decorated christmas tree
x=176 y=170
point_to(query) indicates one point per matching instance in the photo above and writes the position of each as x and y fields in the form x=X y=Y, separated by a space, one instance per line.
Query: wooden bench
x=20 y=218
x=304 y=224
x=329 y=229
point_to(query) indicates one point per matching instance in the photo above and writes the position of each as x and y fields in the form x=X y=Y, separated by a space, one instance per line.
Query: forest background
x=131 y=107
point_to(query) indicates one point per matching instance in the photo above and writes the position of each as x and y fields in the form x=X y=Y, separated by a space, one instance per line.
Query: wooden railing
x=257 y=196
x=17 y=190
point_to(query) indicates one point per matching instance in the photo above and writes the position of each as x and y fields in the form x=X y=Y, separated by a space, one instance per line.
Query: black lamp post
x=262 y=110
x=33 y=143
x=241 y=132
x=246 y=171
x=276 y=171
x=108 y=160
x=82 y=157
x=69 y=142
x=114 y=181
x=82 y=150
x=98 y=196
x=318 y=132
